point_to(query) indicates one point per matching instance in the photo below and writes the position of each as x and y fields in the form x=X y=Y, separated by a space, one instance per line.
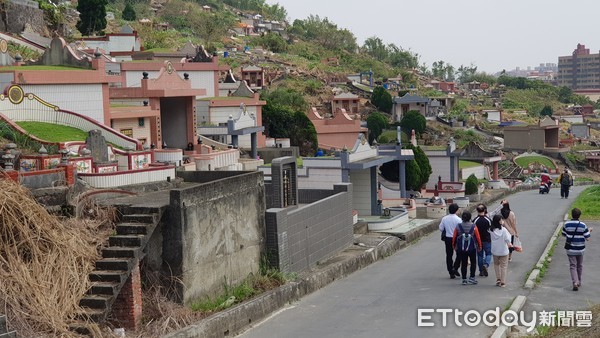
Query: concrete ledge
x=421 y=231
x=555 y=235
x=241 y=317
x=517 y=305
x=530 y=282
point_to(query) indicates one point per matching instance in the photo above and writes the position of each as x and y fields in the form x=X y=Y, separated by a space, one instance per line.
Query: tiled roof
x=414 y=98
x=346 y=96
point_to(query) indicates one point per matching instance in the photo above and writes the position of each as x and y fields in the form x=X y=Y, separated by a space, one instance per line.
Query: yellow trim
x=15 y=94
x=22 y=94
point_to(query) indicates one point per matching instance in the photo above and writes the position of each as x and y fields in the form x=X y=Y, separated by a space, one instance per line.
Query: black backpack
x=565 y=179
x=465 y=242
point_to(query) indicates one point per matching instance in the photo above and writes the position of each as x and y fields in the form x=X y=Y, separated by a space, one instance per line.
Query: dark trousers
x=564 y=190
x=464 y=258
x=450 y=265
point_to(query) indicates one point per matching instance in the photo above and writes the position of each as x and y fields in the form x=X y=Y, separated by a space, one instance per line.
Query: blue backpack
x=465 y=242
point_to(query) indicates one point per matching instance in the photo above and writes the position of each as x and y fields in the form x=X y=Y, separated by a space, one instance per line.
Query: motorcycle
x=544 y=188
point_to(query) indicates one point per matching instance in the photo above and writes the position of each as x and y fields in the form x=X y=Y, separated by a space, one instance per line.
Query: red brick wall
x=127 y=309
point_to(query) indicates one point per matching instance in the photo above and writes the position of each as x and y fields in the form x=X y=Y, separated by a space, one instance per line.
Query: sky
x=490 y=34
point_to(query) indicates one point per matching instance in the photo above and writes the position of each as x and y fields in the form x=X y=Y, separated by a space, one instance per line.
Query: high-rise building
x=579 y=71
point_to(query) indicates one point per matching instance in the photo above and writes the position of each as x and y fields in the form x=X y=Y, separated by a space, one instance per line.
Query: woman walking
x=501 y=242
x=510 y=223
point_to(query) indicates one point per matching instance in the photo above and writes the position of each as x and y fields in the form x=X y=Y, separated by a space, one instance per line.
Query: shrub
x=471 y=185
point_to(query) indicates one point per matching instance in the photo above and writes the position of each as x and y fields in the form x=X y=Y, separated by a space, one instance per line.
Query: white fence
x=34 y=109
x=120 y=178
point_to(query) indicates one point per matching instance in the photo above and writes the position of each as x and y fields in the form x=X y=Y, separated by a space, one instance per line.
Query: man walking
x=447 y=226
x=566 y=181
x=576 y=233
x=484 y=256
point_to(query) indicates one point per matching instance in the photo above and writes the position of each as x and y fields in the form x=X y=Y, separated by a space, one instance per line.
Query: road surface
x=383 y=299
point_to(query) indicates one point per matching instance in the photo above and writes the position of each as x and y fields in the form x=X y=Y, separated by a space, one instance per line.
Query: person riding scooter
x=546 y=183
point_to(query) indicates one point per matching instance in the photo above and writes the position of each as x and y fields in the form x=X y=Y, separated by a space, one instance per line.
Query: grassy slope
x=524 y=161
x=53 y=132
x=589 y=203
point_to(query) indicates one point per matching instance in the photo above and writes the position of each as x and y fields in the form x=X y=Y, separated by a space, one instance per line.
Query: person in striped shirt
x=576 y=233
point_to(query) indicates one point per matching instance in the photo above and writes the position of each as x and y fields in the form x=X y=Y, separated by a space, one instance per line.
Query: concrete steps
x=124 y=251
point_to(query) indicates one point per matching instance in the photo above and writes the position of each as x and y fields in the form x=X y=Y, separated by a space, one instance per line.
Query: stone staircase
x=509 y=170
x=124 y=251
x=4 y=330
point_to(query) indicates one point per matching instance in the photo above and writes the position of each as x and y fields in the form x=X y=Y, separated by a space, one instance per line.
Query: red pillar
x=495 y=174
x=70 y=172
x=128 y=307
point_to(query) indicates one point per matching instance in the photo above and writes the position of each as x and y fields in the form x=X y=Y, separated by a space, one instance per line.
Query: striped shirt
x=576 y=233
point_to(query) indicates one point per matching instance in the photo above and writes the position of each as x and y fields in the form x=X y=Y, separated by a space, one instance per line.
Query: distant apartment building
x=579 y=71
x=545 y=72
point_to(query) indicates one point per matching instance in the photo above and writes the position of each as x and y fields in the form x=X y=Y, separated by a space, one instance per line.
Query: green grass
x=524 y=161
x=508 y=305
x=387 y=136
x=462 y=164
x=433 y=148
x=267 y=279
x=546 y=263
x=589 y=203
x=229 y=297
x=53 y=132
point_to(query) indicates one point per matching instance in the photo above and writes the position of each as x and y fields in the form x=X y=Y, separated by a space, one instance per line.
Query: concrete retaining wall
x=236 y=319
x=20 y=14
x=214 y=234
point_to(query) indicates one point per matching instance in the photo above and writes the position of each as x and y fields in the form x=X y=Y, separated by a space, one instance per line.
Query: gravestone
x=284 y=182
x=96 y=143
x=5 y=58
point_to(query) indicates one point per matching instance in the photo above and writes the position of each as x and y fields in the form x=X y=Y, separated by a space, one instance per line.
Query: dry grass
x=161 y=315
x=44 y=264
x=576 y=332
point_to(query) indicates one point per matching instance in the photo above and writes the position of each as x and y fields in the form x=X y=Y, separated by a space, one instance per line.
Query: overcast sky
x=491 y=34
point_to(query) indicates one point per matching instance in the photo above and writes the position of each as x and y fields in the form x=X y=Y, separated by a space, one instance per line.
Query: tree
x=324 y=33
x=92 y=16
x=375 y=47
x=423 y=163
x=398 y=57
x=303 y=134
x=285 y=97
x=417 y=170
x=376 y=122
x=382 y=99
x=546 y=111
x=282 y=122
x=465 y=74
x=210 y=27
x=413 y=175
x=129 y=13
x=273 y=42
x=283 y=117
x=471 y=185
x=413 y=120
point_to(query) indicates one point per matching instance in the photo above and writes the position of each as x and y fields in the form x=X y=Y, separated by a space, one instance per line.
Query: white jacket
x=500 y=241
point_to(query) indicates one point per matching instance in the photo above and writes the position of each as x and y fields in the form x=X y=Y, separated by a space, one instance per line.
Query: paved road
x=382 y=299
x=555 y=291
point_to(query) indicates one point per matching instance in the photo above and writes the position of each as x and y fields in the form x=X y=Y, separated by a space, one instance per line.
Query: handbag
x=568 y=245
x=444 y=235
x=518 y=245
